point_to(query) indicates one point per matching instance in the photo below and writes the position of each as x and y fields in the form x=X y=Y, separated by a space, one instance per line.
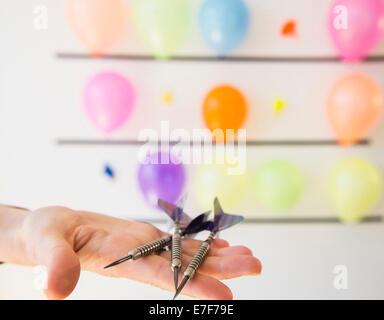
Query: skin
x=65 y=241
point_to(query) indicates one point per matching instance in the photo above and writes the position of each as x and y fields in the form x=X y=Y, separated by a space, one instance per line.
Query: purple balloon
x=164 y=181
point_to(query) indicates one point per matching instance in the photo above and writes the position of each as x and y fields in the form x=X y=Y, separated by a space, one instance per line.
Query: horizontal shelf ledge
x=303 y=143
x=256 y=59
x=298 y=220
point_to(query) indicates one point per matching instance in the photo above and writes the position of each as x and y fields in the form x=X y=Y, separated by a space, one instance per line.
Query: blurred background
x=288 y=67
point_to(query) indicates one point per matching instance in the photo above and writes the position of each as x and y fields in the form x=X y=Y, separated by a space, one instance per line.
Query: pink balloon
x=356 y=26
x=109 y=99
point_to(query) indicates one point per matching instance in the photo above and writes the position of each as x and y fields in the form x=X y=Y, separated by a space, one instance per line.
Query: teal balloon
x=163 y=24
x=279 y=185
x=224 y=24
x=354 y=187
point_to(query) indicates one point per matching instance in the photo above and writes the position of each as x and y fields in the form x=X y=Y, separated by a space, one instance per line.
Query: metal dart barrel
x=199 y=257
x=176 y=254
x=150 y=247
x=144 y=250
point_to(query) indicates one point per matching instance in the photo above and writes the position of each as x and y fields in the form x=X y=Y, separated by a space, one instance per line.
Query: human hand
x=61 y=240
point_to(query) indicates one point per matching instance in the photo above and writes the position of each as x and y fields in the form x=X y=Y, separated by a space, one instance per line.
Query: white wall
x=40 y=102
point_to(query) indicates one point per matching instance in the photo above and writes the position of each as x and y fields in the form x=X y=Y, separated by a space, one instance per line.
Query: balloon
x=163 y=24
x=354 y=189
x=211 y=180
x=279 y=185
x=157 y=180
x=224 y=108
x=109 y=99
x=99 y=24
x=224 y=24
x=355 y=104
x=355 y=27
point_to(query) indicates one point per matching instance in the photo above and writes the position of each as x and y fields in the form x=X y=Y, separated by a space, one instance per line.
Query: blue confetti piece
x=109 y=171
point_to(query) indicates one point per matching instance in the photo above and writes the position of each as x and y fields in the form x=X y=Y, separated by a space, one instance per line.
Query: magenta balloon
x=355 y=27
x=164 y=181
x=109 y=99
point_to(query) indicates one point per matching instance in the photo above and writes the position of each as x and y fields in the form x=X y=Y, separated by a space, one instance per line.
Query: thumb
x=61 y=264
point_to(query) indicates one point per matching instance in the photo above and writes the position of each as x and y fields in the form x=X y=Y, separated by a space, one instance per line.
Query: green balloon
x=163 y=24
x=279 y=185
x=354 y=188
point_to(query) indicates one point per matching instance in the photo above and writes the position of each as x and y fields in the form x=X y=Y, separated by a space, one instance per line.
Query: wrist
x=11 y=243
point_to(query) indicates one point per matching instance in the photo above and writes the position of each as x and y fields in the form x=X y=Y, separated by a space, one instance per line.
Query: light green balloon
x=279 y=185
x=163 y=24
x=354 y=187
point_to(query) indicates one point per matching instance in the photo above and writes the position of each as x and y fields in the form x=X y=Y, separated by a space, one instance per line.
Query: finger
x=229 y=267
x=207 y=288
x=224 y=267
x=193 y=244
x=155 y=271
x=219 y=243
x=227 y=251
x=232 y=251
x=61 y=263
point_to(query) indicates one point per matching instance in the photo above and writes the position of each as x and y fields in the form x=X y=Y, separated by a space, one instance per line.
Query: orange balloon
x=354 y=106
x=224 y=108
x=99 y=24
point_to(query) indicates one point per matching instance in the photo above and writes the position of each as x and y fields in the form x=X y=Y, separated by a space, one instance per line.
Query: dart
x=187 y=226
x=176 y=255
x=221 y=222
x=177 y=214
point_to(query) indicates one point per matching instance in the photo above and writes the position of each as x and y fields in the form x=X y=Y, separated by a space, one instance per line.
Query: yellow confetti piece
x=167 y=98
x=279 y=106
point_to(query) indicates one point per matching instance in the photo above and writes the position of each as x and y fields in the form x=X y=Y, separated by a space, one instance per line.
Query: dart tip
x=118 y=262
x=180 y=288
x=110 y=265
x=176 y=277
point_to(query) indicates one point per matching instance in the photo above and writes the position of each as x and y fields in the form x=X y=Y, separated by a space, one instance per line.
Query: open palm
x=63 y=240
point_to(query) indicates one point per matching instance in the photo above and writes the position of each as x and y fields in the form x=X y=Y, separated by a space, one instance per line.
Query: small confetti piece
x=109 y=171
x=279 y=106
x=167 y=98
x=289 y=29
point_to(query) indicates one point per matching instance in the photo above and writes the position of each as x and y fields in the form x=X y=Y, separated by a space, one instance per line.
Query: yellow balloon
x=211 y=180
x=354 y=187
